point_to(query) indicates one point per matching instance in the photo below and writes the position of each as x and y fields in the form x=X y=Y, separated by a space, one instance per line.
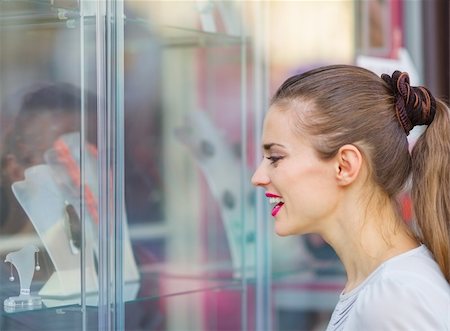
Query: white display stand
x=44 y=194
x=215 y=158
x=25 y=263
x=41 y=199
x=72 y=194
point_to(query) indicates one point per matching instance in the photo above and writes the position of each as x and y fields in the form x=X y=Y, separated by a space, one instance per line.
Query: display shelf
x=303 y=289
x=68 y=317
x=23 y=11
x=54 y=319
x=39 y=16
x=172 y=36
x=13 y=16
x=153 y=286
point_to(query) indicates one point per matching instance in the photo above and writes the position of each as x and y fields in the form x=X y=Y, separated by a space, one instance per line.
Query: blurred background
x=153 y=110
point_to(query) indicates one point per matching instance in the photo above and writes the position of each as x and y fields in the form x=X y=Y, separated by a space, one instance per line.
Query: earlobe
x=348 y=164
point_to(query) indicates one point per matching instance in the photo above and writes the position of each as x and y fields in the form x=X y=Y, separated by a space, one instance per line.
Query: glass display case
x=127 y=142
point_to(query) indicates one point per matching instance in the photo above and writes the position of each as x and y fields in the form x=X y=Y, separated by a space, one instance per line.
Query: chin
x=283 y=231
x=282 y=234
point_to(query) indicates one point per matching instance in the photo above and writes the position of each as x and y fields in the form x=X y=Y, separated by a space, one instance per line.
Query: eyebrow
x=267 y=147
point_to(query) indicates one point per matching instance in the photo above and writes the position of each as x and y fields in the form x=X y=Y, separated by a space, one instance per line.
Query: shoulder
x=408 y=294
x=417 y=270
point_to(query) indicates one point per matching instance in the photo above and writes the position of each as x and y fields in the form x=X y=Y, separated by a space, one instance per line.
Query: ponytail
x=431 y=187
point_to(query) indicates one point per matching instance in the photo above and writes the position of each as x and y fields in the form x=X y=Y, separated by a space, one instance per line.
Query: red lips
x=278 y=206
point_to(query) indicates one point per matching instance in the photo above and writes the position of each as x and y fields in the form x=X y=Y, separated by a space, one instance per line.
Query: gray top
x=406 y=292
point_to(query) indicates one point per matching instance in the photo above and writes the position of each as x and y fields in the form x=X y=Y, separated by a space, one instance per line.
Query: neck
x=365 y=238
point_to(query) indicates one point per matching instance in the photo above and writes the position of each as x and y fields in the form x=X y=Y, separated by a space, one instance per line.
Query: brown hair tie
x=413 y=105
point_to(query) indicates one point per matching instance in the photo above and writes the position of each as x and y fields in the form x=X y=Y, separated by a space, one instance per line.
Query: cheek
x=313 y=192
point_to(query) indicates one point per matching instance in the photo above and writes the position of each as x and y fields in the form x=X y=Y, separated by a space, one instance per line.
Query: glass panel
x=188 y=233
x=48 y=152
x=185 y=166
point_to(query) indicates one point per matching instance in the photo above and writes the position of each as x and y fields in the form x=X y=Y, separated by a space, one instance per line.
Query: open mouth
x=275 y=200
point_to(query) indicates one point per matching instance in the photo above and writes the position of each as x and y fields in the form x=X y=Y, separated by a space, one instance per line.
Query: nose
x=260 y=177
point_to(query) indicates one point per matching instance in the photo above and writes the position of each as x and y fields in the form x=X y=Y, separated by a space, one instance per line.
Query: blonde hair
x=351 y=105
x=431 y=187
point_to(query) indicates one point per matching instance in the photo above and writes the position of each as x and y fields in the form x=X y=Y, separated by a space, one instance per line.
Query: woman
x=335 y=158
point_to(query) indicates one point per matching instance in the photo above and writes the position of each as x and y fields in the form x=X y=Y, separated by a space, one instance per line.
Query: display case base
x=22 y=302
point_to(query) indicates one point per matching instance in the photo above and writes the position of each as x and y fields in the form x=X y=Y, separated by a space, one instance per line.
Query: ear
x=348 y=164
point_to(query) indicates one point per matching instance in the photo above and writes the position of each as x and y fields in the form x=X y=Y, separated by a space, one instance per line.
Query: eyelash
x=274 y=159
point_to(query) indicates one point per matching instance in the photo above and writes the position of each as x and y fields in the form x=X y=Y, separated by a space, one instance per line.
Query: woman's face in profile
x=298 y=184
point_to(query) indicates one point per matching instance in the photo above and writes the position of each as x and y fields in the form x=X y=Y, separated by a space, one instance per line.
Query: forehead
x=281 y=127
x=285 y=117
x=276 y=120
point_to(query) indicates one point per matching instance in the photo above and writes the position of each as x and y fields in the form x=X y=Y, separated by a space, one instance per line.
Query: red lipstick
x=271 y=195
x=276 y=209
x=274 y=198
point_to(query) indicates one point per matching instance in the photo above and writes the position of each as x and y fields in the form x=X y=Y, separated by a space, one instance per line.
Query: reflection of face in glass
x=47 y=113
x=38 y=131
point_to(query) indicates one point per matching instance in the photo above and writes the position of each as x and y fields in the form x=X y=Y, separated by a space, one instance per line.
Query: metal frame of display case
x=109 y=62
